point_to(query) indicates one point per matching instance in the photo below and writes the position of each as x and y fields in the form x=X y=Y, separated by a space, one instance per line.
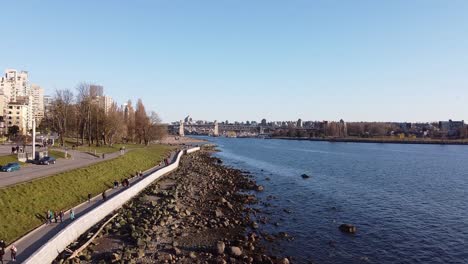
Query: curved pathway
x=31 y=242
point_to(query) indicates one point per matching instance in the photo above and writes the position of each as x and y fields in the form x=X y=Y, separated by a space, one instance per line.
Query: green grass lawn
x=58 y=154
x=22 y=205
x=69 y=142
x=7 y=159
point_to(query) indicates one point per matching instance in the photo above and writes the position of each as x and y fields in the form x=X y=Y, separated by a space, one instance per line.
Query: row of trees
x=83 y=117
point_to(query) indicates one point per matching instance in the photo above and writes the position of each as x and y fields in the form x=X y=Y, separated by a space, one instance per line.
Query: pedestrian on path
x=116 y=184
x=51 y=215
x=56 y=216
x=2 y=253
x=47 y=217
x=72 y=214
x=61 y=216
x=104 y=196
x=89 y=197
x=13 y=250
x=2 y=250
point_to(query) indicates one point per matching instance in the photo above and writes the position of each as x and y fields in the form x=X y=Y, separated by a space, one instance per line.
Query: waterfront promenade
x=32 y=241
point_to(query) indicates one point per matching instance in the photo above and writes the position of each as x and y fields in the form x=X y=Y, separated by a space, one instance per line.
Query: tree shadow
x=41 y=217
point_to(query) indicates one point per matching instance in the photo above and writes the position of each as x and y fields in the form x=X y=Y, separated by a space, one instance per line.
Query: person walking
x=61 y=216
x=104 y=196
x=51 y=215
x=2 y=253
x=47 y=216
x=55 y=216
x=89 y=197
x=13 y=250
x=72 y=214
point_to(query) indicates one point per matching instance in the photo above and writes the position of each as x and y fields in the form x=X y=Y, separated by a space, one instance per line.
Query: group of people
x=13 y=251
x=52 y=216
x=17 y=149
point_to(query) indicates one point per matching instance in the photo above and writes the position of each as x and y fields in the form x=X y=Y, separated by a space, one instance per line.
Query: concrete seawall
x=50 y=250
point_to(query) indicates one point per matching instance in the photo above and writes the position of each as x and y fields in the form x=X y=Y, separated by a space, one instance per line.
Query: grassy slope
x=58 y=154
x=7 y=159
x=20 y=204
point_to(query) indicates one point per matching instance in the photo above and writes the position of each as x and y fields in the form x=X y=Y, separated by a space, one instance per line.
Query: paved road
x=34 y=240
x=32 y=171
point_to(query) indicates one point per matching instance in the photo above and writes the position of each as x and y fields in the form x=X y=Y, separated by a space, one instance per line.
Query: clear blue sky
x=247 y=60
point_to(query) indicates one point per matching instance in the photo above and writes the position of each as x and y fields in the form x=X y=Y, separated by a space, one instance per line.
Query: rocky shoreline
x=200 y=213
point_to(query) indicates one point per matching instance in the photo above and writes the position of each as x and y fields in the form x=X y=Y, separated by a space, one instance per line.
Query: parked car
x=47 y=161
x=13 y=166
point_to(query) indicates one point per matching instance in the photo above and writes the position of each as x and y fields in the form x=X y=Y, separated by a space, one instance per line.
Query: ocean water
x=408 y=202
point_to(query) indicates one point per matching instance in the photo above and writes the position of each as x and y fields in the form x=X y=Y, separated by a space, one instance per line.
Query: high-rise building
x=96 y=90
x=47 y=103
x=14 y=84
x=19 y=113
x=299 y=123
x=37 y=94
x=105 y=102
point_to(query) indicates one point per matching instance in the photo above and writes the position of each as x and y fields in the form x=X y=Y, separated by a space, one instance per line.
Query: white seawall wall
x=50 y=250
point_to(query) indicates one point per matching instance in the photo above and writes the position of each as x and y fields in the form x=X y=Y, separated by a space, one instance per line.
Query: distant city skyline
x=315 y=60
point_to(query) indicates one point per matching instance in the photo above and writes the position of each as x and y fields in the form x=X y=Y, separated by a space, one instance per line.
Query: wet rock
x=284 y=261
x=260 y=188
x=305 y=176
x=218 y=213
x=236 y=251
x=115 y=257
x=220 y=246
x=347 y=228
x=254 y=225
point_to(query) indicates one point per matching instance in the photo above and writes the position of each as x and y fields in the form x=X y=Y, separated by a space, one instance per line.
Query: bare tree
x=61 y=112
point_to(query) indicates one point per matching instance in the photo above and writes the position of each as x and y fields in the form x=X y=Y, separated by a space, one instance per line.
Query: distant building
x=263 y=122
x=37 y=94
x=452 y=128
x=14 y=84
x=96 y=90
x=47 y=103
x=299 y=123
x=19 y=114
x=187 y=119
x=105 y=102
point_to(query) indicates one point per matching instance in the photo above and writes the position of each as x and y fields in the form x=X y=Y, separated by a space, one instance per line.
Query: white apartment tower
x=14 y=84
x=20 y=102
x=37 y=94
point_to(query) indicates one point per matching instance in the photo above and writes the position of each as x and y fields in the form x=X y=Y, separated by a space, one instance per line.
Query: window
x=9 y=123
x=9 y=112
x=18 y=107
x=11 y=107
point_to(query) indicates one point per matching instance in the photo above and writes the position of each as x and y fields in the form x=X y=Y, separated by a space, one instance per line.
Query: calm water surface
x=409 y=202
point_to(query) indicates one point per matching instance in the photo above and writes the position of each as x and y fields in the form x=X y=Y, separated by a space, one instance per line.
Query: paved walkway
x=33 y=171
x=35 y=239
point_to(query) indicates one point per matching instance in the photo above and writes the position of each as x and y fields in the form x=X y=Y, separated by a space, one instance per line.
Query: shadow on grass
x=41 y=217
